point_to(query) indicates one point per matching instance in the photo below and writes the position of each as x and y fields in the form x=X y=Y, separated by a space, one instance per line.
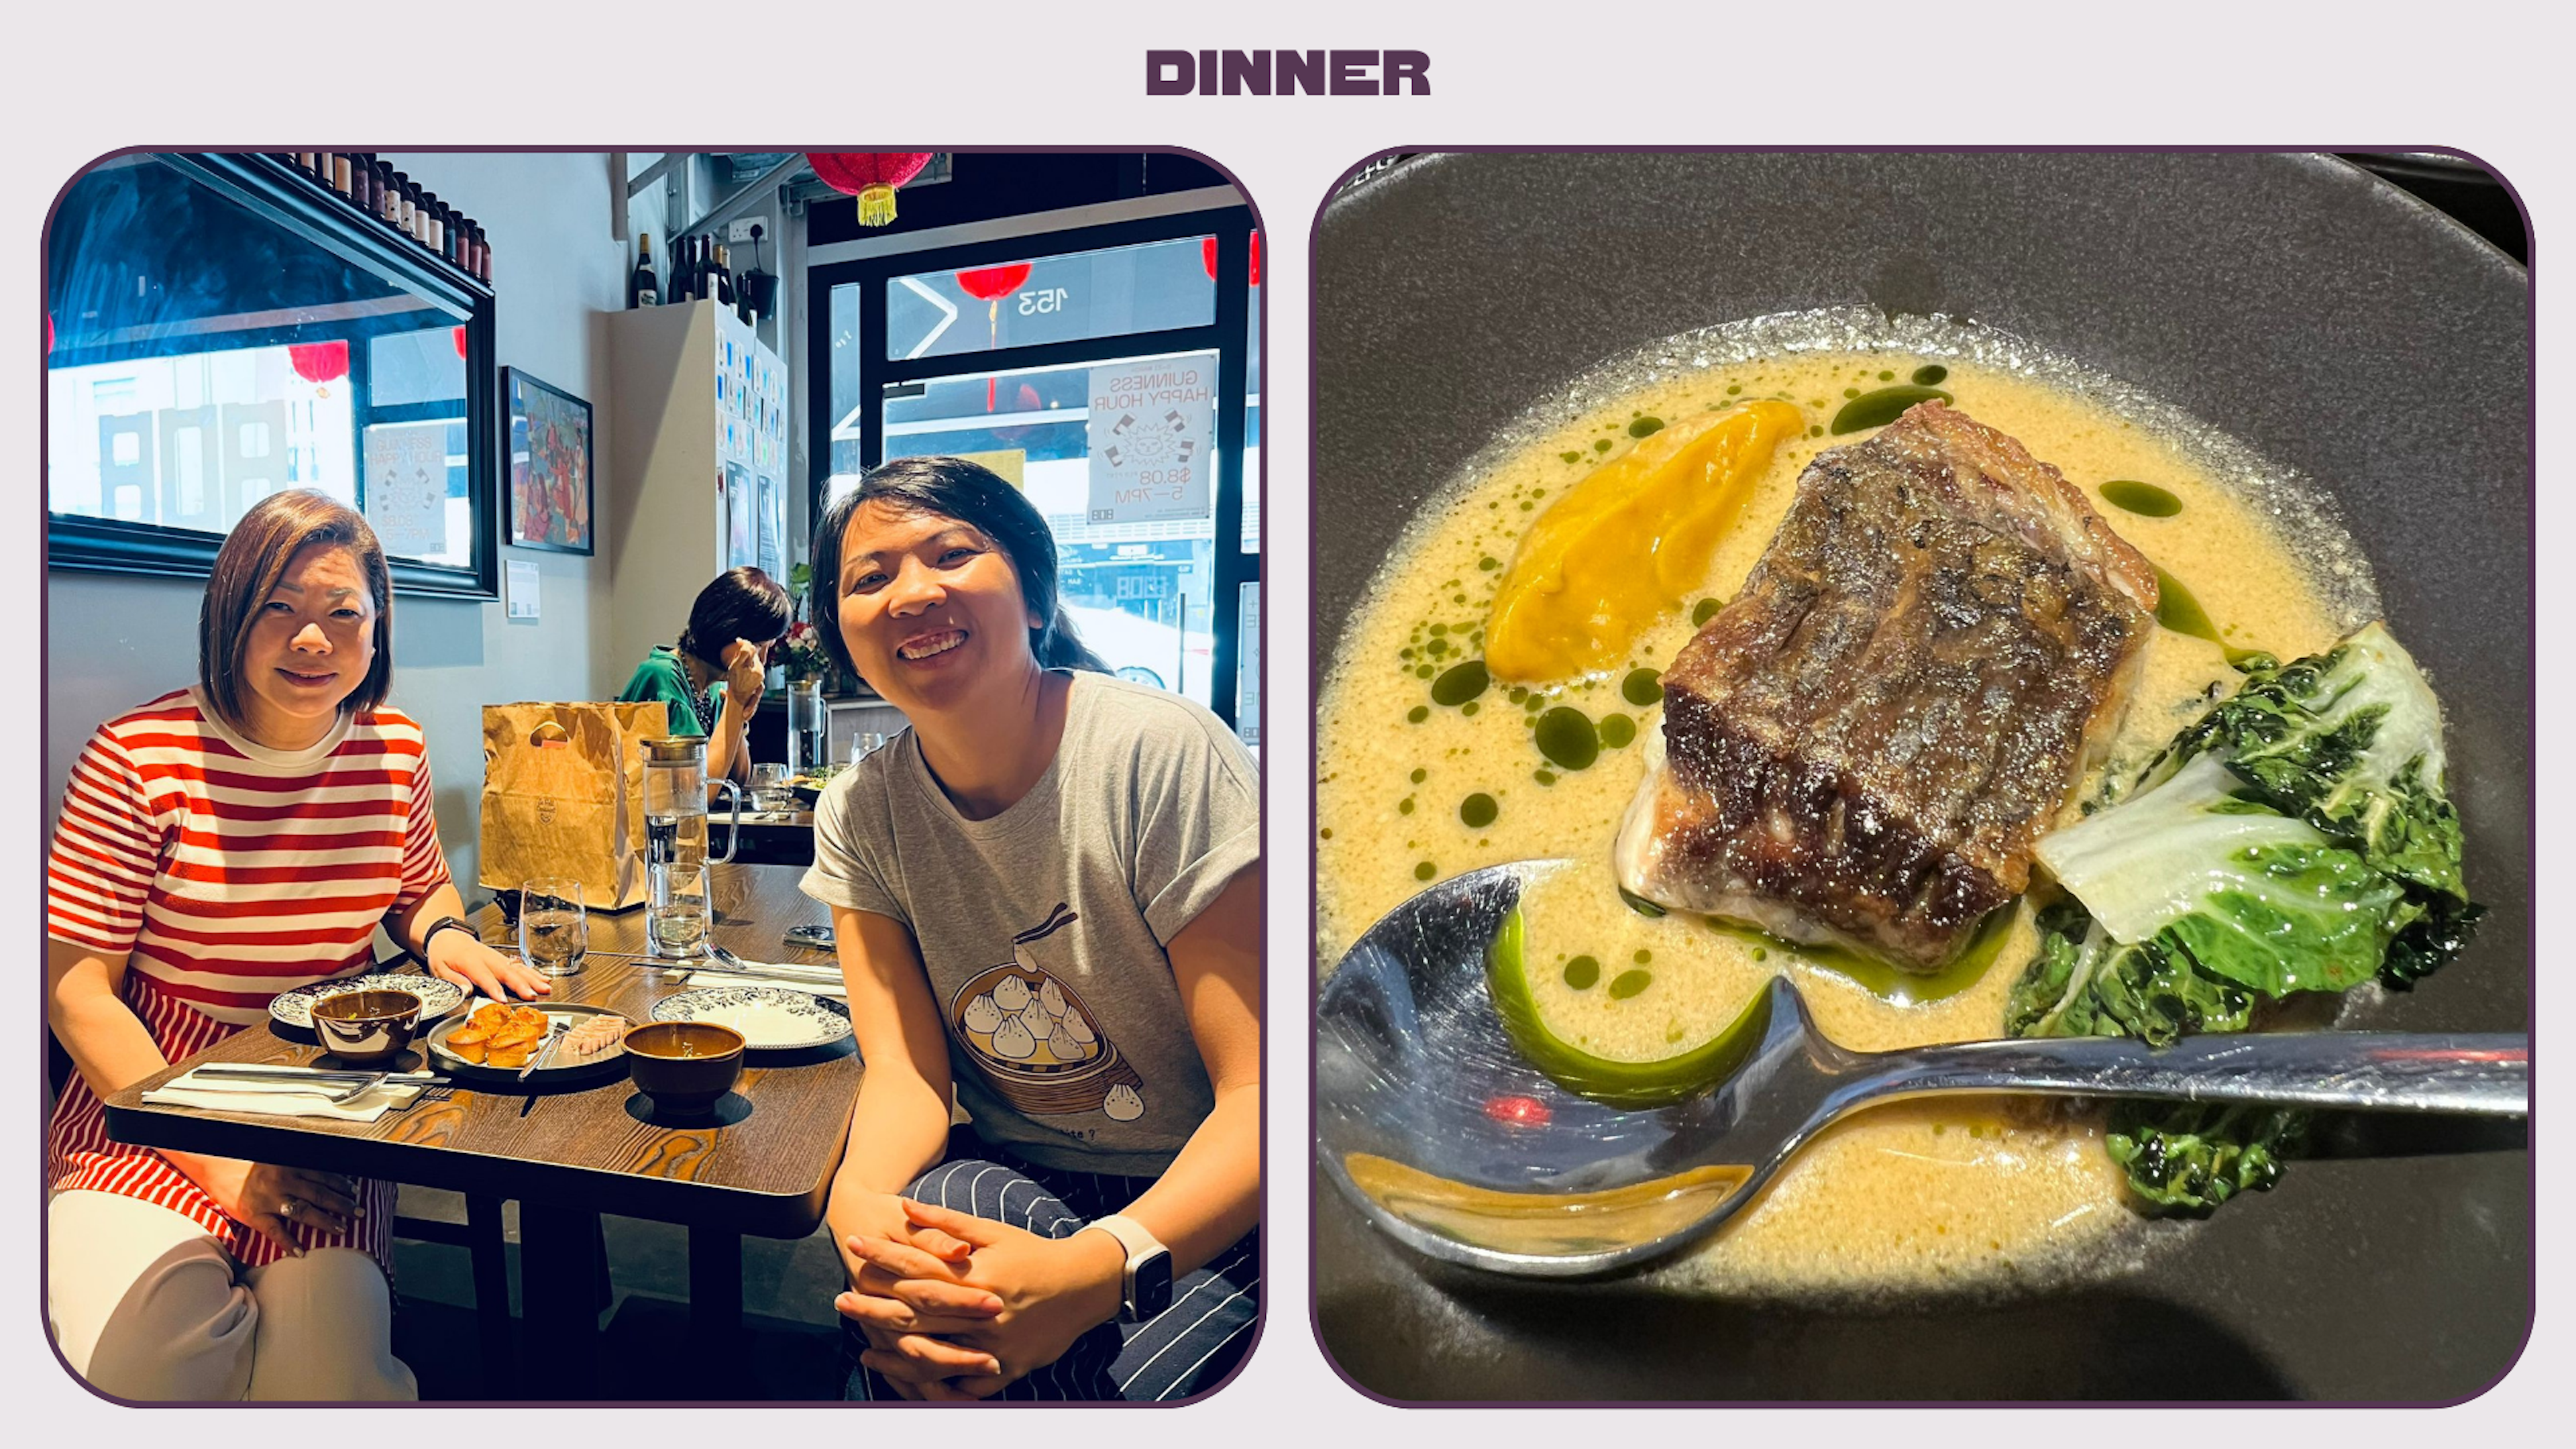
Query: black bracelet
x=444 y=923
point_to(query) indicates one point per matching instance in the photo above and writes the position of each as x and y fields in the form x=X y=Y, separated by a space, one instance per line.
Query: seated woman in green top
x=712 y=681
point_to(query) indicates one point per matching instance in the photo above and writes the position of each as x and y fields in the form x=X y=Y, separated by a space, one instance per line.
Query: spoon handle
x=2472 y=1075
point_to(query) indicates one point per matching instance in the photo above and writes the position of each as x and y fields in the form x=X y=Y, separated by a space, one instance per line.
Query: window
x=220 y=329
x=1097 y=379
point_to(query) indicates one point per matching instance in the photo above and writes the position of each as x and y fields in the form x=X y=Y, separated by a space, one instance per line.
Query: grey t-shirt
x=1044 y=927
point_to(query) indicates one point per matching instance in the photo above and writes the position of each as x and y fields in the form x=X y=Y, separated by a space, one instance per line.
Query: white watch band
x=1131 y=1235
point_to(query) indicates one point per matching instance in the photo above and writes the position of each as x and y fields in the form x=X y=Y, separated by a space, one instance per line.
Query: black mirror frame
x=289 y=200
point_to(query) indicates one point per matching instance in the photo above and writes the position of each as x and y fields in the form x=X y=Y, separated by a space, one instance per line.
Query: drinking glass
x=676 y=914
x=862 y=746
x=769 y=788
x=554 y=930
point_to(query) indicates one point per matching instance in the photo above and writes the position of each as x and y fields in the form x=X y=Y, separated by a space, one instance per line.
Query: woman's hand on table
x=1040 y=1295
x=458 y=957
x=273 y=1200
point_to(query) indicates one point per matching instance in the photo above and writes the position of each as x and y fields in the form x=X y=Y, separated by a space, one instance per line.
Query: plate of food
x=496 y=1040
x=808 y=787
x=770 y=1018
x=1872 y=571
x=294 y=1009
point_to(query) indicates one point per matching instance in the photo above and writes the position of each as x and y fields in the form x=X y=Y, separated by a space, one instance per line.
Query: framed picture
x=550 y=458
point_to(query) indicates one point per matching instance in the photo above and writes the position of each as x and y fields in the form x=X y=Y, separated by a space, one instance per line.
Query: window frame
x=276 y=193
x=1227 y=335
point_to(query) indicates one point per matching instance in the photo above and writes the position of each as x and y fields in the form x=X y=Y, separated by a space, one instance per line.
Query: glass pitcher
x=675 y=830
x=809 y=726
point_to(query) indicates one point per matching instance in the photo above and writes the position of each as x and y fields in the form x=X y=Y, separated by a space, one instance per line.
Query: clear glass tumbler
x=769 y=788
x=554 y=929
x=677 y=913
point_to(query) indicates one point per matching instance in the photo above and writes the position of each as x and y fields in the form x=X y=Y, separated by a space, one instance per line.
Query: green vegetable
x=1631 y=1085
x=2296 y=838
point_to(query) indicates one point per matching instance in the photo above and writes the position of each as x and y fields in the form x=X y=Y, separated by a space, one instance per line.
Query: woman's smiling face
x=310 y=646
x=929 y=605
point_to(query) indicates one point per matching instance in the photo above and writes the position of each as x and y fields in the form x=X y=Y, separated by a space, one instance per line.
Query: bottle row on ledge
x=701 y=270
x=373 y=186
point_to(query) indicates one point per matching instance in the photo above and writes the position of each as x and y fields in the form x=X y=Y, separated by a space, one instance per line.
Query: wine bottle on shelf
x=432 y=234
x=642 y=290
x=340 y=173
x=724 y=277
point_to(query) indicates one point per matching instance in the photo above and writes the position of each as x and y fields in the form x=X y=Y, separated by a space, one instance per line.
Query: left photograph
x=780 y=916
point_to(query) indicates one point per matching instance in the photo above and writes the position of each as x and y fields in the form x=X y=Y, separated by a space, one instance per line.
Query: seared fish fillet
x=1863 y=747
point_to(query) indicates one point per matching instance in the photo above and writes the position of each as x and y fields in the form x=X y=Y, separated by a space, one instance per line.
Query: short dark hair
x=742 y=603
x=983 y=500
x=253 y=558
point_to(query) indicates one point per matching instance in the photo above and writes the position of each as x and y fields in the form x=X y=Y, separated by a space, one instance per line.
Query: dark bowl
x=2329 y=321
x=366 y=1028
x=686 y=1067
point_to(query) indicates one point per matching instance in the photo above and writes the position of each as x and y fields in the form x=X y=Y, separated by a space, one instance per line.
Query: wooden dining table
x=568 y=1155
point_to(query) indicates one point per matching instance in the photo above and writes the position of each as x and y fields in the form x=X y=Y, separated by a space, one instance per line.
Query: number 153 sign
x=1153 y=437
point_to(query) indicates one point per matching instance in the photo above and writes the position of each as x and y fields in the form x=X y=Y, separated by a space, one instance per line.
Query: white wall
x=113 y=641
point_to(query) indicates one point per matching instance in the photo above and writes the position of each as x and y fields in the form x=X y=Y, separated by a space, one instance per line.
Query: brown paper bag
x=563 y=795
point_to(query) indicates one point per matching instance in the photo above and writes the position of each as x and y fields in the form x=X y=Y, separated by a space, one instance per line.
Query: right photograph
x=1923 y=776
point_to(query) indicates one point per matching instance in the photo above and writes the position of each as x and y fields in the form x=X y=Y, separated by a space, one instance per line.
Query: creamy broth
x=1966 y=1192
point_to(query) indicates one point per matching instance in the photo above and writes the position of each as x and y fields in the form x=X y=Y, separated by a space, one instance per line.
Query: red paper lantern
x=1207 y=257
x=319 y=361
x=871 y=176
x=992 y=284
x=459 y=339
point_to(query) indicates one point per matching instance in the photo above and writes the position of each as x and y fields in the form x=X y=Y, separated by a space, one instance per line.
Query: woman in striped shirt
x=217 y=846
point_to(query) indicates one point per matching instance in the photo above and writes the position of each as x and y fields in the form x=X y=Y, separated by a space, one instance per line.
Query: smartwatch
x=445 y=923
x=1145 y=1289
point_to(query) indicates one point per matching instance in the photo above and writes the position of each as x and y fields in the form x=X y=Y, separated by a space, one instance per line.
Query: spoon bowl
x=1451 y=1141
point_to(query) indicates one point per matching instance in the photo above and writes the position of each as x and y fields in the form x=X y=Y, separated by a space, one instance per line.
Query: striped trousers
x=1187 y=1348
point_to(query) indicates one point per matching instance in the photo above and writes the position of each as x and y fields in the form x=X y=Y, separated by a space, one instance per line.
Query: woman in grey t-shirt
x=1047 y=900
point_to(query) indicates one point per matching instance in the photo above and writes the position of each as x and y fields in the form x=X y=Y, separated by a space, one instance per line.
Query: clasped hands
x=955 y=1306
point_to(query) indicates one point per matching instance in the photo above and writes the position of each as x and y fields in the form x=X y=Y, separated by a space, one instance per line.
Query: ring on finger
x=289 y=1206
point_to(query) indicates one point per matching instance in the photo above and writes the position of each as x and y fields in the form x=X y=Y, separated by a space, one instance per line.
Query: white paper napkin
x=282 y=1099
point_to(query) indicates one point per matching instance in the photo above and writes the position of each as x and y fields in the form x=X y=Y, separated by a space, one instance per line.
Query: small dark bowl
x=366 y=1028
x=684 y=1066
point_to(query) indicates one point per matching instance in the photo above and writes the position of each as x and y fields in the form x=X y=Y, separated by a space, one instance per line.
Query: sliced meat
x=1862 y=748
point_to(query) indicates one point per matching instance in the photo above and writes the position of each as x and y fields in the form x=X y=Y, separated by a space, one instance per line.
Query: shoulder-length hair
x=247 y=568
x=983 y=500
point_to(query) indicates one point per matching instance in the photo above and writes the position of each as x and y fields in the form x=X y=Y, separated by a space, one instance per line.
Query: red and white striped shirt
x=233 y=872
x=228 y=872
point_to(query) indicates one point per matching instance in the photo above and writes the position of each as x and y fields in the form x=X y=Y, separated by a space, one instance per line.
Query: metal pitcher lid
x=675 y=749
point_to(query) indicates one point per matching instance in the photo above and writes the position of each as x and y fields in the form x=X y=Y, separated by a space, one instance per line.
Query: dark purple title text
x=1287 y=73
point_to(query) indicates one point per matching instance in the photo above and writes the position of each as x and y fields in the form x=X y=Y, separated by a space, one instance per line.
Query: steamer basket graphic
x=1039 y=1044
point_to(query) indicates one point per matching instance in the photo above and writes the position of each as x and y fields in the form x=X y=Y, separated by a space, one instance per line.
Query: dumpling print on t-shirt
x=1038 y=1046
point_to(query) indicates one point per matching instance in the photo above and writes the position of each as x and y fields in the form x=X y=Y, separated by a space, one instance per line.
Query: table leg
x=491 y=1292
x=559 y=1299
x=715 y=1294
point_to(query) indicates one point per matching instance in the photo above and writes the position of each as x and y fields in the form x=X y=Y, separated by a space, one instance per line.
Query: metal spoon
x=1449 y=1140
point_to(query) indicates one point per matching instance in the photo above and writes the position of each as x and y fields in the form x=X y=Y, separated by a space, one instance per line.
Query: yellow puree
x=1963 y=1191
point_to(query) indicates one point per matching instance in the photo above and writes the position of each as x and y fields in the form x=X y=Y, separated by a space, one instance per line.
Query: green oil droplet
x=1418 y=714
x=1478 y=811
x=1421 y=775
x=1878 y=409
x=1930 y=374
x=1645 y=427
x=2144 y=499
x=1582 y=972
x=1567 y=738
x=1644 y=955
x=1642 y=687
x=1617 y=731
x=1703 y=611
x=1425 y=871
x=1461 y=683
x=1629 y=983
x=1601 y=445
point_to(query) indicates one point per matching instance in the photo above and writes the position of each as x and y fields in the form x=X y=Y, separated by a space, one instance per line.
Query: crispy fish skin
x=1863 y=747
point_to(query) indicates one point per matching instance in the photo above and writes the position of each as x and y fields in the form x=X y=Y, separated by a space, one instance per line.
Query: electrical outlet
x=738 y=232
